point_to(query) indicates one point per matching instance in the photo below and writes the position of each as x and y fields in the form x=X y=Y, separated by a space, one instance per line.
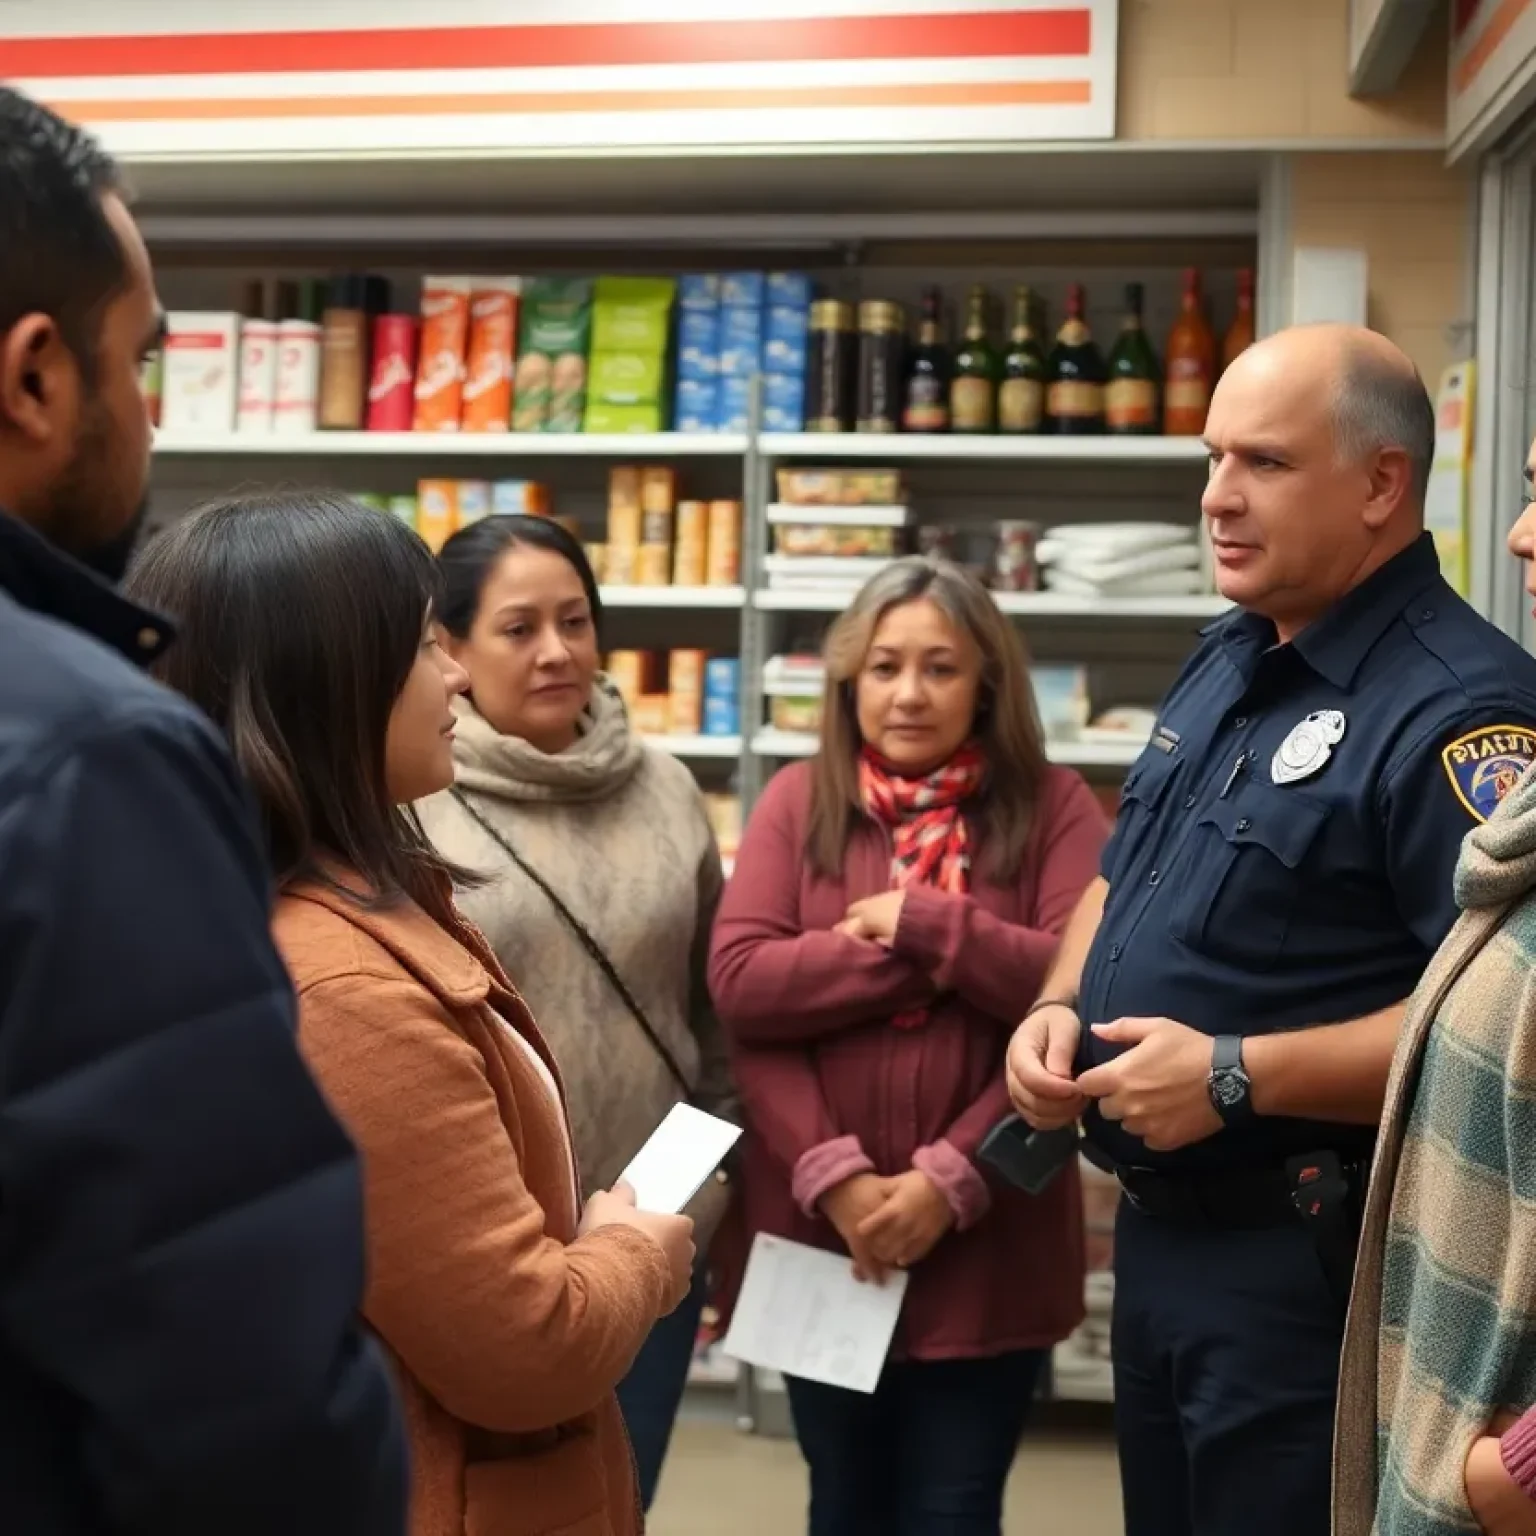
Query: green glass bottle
x=973 y=388
x=1021 y=396
x=1074 y=399
x=1131 y=404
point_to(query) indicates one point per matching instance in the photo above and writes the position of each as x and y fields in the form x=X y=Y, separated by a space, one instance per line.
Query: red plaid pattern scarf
x=930 y=845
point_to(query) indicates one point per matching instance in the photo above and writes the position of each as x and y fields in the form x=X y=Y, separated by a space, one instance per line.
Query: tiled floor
x=720 y=1482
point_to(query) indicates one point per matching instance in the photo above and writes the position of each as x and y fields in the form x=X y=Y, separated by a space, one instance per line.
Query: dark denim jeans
x=927 y=1455
x=653 y=1391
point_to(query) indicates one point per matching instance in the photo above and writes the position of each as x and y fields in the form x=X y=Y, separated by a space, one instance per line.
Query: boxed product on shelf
x=651 y=714
x=527 y=498
x=699 y=291
x=698 y=345
x=445 y=506
x=722 y=696
x=841 y=487
x=740 y=349
x=256 y=392
x=550 y=379
x=488 y=372
x=1061 y=698
x=724 y=813
x=633 y=673
x=723 y=560
x=839 y=539
x=685 y=691
x=794 y=686
x=445 y=313
x=199 y=388
x=690 y=554
x=603 y=417
x=696 y=405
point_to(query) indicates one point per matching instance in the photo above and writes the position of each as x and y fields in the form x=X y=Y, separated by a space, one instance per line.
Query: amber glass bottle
x=1190 y=365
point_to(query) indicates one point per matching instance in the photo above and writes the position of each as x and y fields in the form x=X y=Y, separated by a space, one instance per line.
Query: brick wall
x=1412 y=217
x=1263 y=69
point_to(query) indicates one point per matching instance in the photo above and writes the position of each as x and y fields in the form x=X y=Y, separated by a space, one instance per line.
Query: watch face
x=1229 y=1088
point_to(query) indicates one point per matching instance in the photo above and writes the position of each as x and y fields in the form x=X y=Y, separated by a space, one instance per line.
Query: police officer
x=1224 y=1003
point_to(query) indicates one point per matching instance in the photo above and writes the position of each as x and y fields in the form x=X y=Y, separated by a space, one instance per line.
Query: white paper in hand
x=684 y=1150
x=801 y=1312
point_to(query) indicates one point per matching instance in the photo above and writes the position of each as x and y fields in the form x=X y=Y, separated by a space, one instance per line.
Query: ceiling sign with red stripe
x=343 y=76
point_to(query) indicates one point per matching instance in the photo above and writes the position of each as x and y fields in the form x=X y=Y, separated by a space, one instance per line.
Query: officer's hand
x=1501 y=1505
x=1040 y=1059
x=1159 y=1090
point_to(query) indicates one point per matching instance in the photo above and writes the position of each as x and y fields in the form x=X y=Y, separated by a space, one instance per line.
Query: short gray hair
x=1378 y=405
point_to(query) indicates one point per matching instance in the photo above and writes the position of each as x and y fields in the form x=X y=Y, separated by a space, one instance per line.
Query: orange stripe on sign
x=1500 y=24
x=1063 y=32
x=1010 y=93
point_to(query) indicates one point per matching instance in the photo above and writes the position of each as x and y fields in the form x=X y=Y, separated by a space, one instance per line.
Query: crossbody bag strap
x=593 y=948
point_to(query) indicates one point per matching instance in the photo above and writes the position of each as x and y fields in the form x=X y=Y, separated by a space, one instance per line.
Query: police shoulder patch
x=1484 y=765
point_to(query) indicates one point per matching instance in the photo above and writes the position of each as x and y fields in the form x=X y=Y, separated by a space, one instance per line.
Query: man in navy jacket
x=181 y=1240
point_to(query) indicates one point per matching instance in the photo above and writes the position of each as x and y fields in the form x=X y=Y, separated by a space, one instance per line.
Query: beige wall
x=1412 y=217
x=1263 y=69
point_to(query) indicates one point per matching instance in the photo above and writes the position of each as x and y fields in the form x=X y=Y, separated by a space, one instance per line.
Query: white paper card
x=684 y=1150
x=801 y=1312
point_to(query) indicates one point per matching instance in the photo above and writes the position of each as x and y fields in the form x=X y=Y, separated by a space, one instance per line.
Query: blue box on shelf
x=698 y=344
x=699 y=291
x=697 y=406
x=735 y=400
x=743 y=289
x=741 y=342
x=791 y=290
x=722 y=692
x=786 y=340
x=784 y=392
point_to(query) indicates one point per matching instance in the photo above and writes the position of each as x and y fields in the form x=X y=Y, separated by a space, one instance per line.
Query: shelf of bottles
x=866 y=379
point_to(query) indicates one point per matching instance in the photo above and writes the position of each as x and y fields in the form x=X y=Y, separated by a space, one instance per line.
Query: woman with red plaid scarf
x=895 y=905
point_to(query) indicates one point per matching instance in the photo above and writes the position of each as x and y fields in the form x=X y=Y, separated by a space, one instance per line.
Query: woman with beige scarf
x=604 y=878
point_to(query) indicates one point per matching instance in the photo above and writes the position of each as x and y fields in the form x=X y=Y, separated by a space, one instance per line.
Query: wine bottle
x=1130 y=398
x=1021 y=396
x=1191 y=365
x=973 y=388
x=926 y=399
x=1075 y=394
x=1240 y=333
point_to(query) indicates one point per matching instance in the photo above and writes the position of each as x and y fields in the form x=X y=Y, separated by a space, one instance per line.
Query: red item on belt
x=392 y=391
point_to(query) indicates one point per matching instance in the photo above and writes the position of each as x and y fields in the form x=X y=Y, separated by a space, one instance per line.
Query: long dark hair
x=300 y=616
x=468 y=558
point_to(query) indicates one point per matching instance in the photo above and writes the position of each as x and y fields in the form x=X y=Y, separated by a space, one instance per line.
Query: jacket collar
x=45 y=580
x=1335 y=645
x=454 y=966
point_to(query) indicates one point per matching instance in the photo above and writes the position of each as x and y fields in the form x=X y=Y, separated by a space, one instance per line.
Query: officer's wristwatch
x=1228 y=1084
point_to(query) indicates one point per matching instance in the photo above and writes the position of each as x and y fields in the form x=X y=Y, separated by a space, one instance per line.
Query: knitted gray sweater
x=618 y=831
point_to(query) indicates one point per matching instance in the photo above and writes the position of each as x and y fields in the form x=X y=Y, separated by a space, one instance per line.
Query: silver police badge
x=1308 y=747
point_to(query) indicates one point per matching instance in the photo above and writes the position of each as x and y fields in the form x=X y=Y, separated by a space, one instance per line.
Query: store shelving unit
x=1137 y=644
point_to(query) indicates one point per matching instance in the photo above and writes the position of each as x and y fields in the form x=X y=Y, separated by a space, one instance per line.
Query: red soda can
x=392 y=389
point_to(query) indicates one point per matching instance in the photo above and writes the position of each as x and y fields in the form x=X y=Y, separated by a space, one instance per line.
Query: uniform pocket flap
x=1148 y=781
x=1281 y=822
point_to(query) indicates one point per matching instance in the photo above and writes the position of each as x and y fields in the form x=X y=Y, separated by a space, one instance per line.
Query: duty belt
x=1319 y=1191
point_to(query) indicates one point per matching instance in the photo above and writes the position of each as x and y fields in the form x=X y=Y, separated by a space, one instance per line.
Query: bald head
x=1374 y=396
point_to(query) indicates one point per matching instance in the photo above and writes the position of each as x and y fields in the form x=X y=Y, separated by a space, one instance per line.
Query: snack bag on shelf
x=444 y=340
x=550 y=383
x=492 y=348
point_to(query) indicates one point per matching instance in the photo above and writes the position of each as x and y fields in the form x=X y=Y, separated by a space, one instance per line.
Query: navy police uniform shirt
x=1285 y=846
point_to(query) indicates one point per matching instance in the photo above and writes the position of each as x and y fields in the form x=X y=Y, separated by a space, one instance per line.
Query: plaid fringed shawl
x=1442 y=1328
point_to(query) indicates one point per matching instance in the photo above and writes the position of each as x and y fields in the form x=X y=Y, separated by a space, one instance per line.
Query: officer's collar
x=47 y=581
x=1335 y=645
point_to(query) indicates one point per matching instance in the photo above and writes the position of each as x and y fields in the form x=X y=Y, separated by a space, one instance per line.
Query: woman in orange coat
x=307 y=634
